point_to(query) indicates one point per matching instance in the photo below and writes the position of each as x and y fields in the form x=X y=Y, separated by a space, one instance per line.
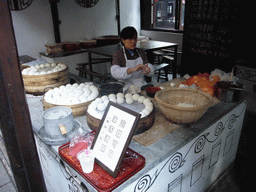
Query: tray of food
x=99 y=178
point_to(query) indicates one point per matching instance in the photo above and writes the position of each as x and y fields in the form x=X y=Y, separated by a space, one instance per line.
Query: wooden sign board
x=113 y=137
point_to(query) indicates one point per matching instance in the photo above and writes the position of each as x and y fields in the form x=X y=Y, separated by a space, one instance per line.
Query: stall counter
x=190 y=158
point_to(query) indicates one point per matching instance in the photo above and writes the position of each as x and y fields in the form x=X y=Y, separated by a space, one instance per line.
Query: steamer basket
x=145 y=123
x=36 y=84
x=77 y=109
x=168 y=98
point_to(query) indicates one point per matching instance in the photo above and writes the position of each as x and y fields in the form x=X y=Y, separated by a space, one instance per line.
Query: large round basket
x=77 y=109
x=167 y=100
x=36 y=84
x=145 y=123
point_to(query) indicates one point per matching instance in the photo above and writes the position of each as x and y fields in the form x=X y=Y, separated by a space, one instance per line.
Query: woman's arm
x=119 y=73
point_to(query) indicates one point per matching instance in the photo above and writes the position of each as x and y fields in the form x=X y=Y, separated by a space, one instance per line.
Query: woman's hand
x=139 y=67
x=146 y=69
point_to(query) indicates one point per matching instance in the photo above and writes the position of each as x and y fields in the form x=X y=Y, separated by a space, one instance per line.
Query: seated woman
x=130 y=64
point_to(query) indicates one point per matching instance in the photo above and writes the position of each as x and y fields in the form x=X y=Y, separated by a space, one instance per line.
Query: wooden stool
x=160 y=75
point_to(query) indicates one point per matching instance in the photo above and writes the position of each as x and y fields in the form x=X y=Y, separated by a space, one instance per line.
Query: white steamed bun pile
x=98 y=106
x=42 y=69
x=71 y=94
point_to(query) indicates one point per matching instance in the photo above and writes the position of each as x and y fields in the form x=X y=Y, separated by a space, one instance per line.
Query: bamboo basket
x=77 y=109
x=36 y=84
x=168 y=98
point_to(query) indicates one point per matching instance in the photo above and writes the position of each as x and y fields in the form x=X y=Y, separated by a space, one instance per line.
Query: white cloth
x=135 y=78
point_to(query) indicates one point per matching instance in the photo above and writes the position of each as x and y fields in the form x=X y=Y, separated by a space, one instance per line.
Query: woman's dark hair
x=128 y=33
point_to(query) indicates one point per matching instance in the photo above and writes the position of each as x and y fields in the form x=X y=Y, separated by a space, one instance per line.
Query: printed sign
x=113 y=137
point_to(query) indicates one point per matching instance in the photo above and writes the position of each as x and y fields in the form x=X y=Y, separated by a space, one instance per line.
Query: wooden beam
x=14 y=114
x=55 y=20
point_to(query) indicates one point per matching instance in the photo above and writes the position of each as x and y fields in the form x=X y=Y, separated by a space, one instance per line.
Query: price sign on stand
x=113 y=137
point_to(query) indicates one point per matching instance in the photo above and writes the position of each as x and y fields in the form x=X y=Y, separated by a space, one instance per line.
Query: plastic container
x=86 y=159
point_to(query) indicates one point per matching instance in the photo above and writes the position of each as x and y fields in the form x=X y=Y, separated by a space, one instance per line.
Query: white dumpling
x=120 y=100
x=106 y=102
x=141 y=99
x=79 y=92
x=149 y=107
x=83 y=99
x=41 y=73
x=104 y=97
x=42 y=66
x=101 y=107
x=147 y=100
x=98 y=100
x=25 y=71
x=75 y=85
x=53 y=65
x=146 y=111
x=129 y=100
x=135 y=97
x=82 y=85
x=87 y=86
x=47 y=65
x=149 y=104
x=93 y=105
x=113 y=100
x=91 y=97
x=128 y=95
x=75 y=100
x=87 y=92
x=119 y=95
x=142 y=114
x=68 y=85
x=93 y=87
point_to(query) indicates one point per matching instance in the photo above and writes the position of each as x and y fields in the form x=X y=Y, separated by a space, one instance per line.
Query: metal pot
x=58 y=121
x=228 y=91
x=111 y=87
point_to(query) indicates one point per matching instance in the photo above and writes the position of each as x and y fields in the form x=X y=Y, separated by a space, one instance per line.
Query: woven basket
x=168 y=98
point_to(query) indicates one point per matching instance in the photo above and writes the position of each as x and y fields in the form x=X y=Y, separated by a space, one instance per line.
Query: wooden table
x=147 y=46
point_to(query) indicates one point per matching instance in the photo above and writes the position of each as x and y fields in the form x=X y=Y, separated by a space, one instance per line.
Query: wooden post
x=14 y=114
x=55 y=20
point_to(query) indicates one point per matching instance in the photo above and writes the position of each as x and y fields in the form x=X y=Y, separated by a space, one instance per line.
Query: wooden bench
x=103 y=78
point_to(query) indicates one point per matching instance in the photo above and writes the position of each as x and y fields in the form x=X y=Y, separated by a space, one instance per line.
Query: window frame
x=147 y=17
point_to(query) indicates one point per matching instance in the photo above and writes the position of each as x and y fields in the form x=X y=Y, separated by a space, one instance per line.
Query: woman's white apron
x=137 y=76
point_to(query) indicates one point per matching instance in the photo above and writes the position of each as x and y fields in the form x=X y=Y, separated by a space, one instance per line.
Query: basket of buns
x=183 y=105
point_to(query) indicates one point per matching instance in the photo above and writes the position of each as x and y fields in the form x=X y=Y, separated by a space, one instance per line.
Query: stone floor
x=7 y=182
x=239 y=176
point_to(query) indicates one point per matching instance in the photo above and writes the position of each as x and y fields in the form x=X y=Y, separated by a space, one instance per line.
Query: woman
x=130 y=64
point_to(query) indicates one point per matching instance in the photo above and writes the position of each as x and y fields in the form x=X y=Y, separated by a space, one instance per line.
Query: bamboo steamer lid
x=36 y=84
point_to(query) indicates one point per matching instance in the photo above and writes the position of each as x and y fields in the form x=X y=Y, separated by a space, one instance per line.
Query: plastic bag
x=80 y=142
